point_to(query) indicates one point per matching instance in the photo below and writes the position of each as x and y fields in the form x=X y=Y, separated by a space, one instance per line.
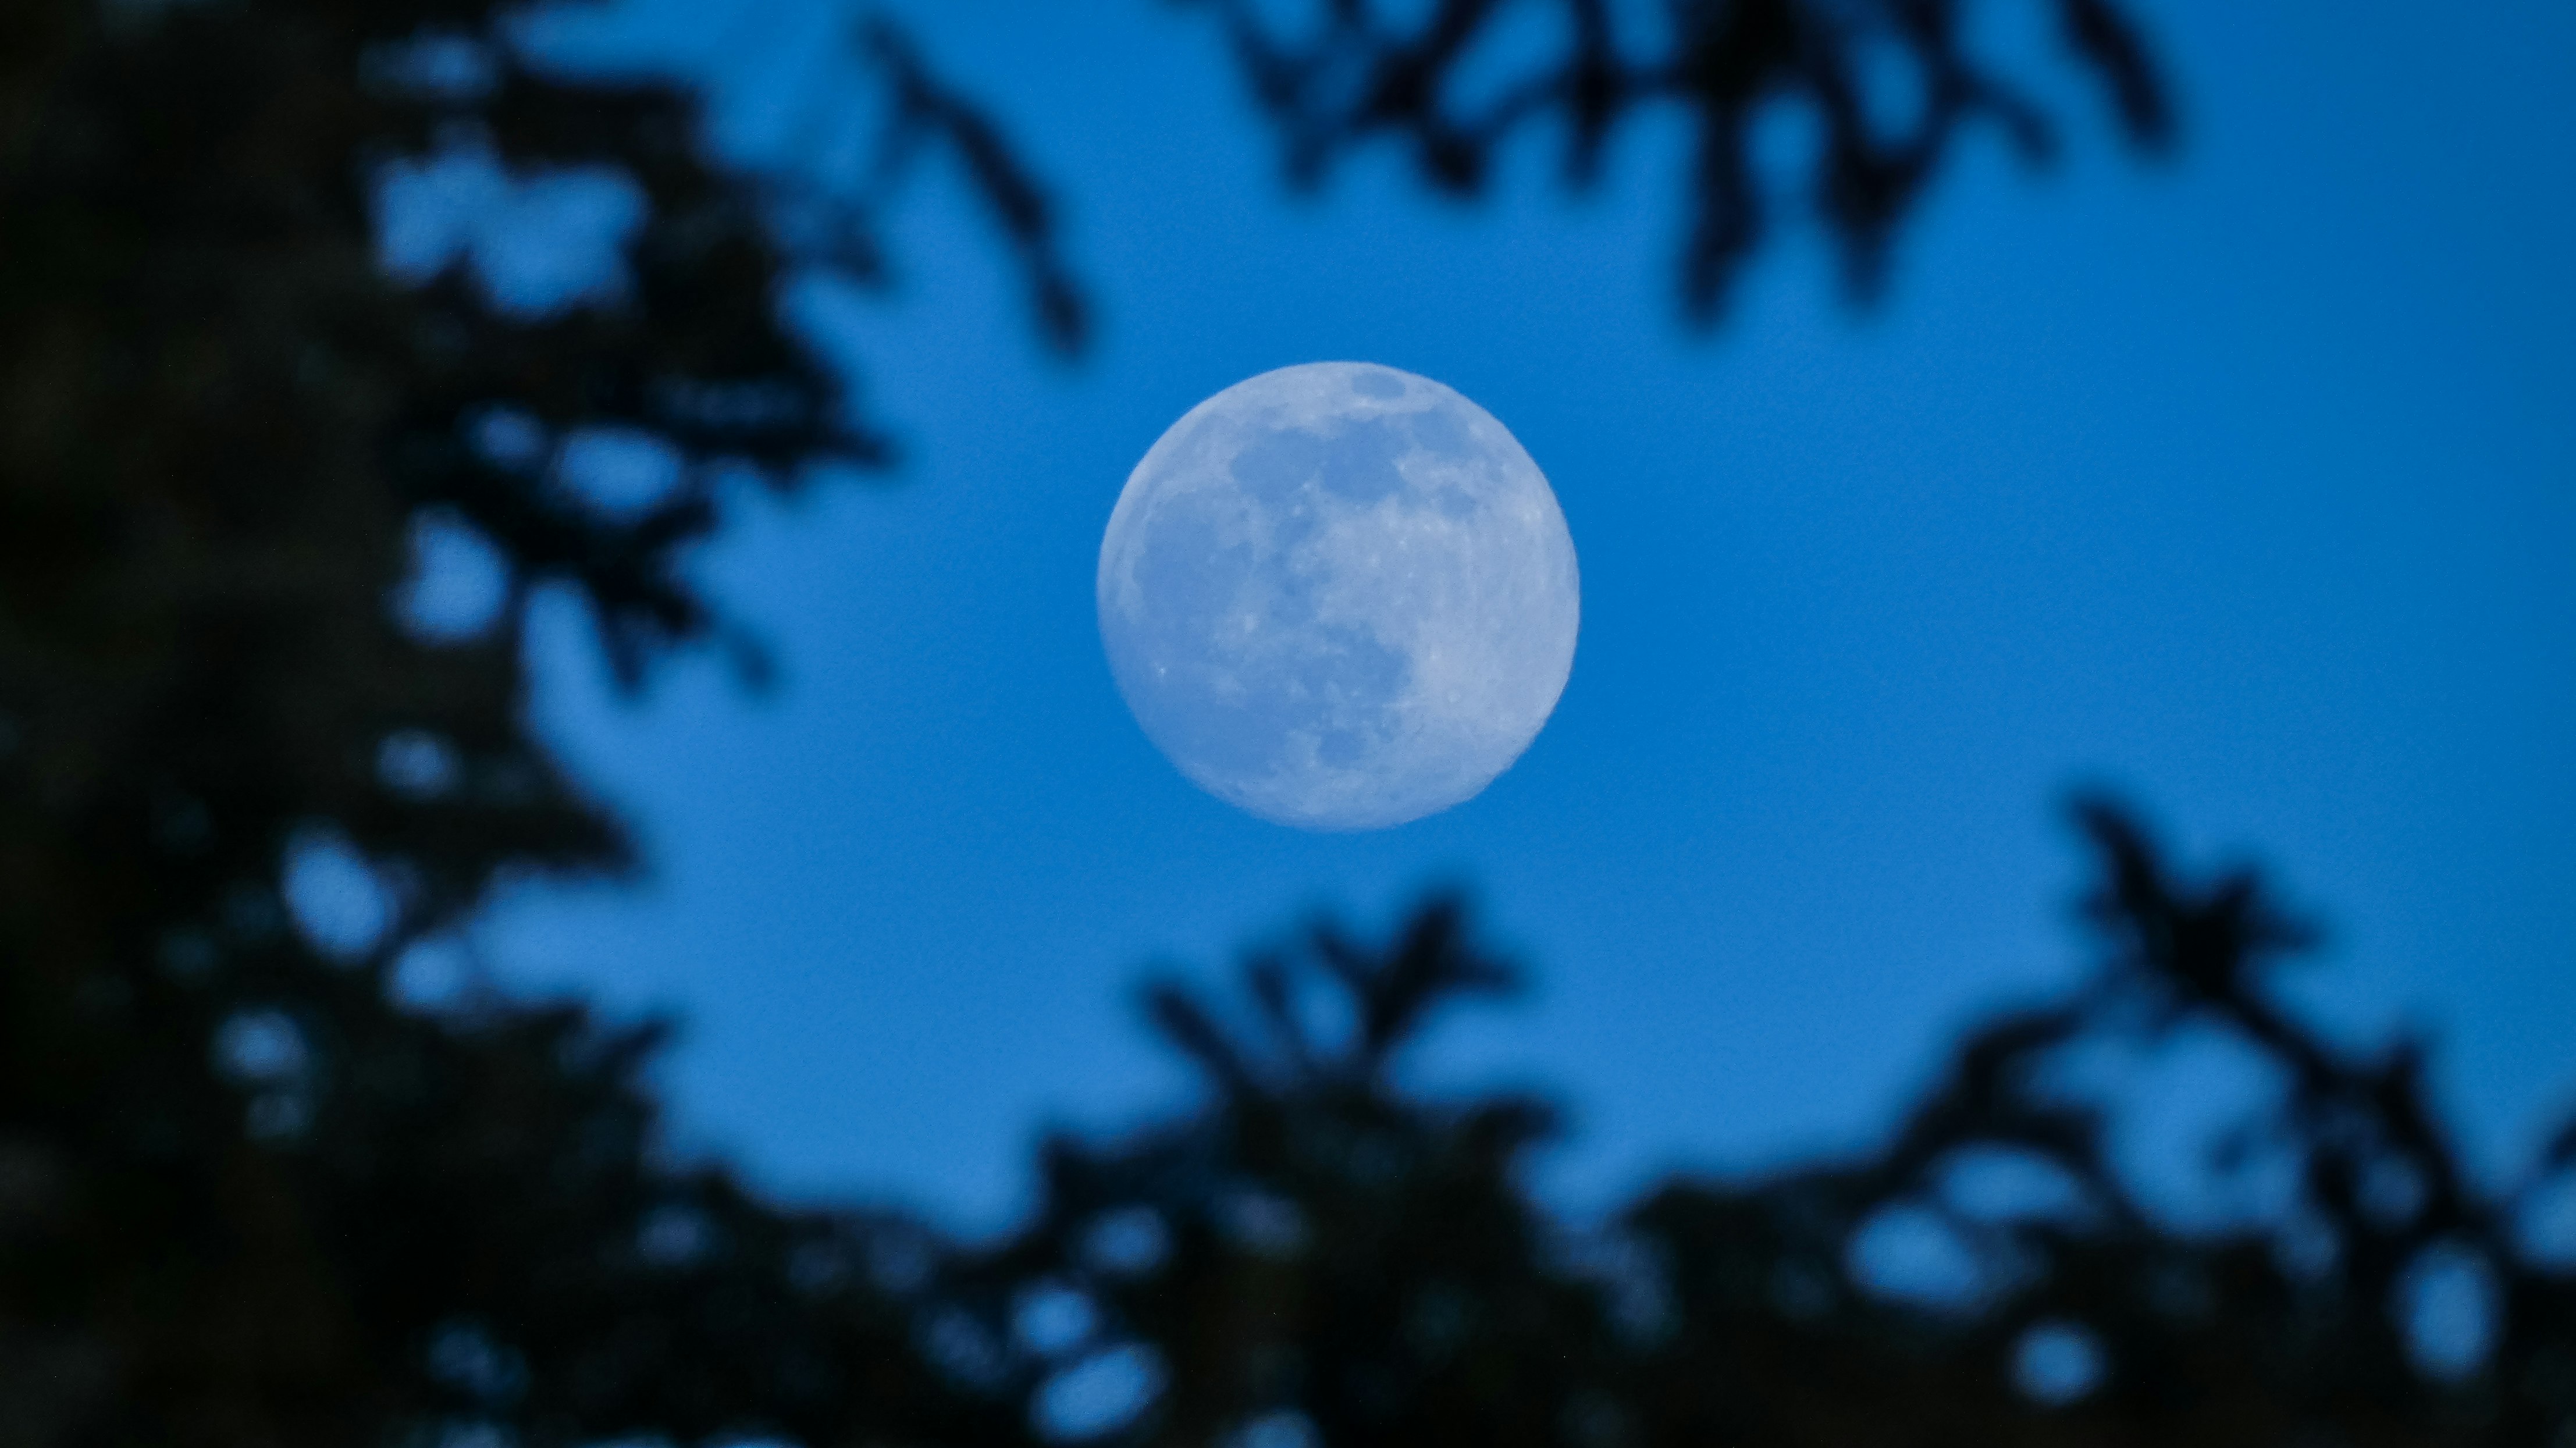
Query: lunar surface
x=1339 y=596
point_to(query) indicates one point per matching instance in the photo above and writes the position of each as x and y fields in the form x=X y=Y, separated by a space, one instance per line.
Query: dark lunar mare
x=1229 y=720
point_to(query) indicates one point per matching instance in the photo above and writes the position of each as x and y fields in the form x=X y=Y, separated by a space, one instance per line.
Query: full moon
x=1339 y=596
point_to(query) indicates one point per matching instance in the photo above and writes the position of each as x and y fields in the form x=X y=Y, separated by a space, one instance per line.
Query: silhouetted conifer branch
x=1892 y=83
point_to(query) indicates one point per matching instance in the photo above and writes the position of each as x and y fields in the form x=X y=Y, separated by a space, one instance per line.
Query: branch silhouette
x=1893 y=84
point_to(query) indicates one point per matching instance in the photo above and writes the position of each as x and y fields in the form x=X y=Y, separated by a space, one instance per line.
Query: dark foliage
x=245 y=1197
x=1893 y=85
x=1336 y=1255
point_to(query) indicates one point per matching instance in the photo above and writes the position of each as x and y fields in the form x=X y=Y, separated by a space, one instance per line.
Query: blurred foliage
x=245 y=1196
x=1339 y=1258
x=258 y=1188
x=1893 y=87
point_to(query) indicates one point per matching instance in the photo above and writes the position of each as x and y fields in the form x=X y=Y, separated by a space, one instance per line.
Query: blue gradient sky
x=2245 y=483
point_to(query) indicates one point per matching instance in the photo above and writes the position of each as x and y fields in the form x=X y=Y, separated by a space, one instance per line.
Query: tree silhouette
x=245 y=1197
x=1893 y=84
x=251 y=1195
x=1337 y=1259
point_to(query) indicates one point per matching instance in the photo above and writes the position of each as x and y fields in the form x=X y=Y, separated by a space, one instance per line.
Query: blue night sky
x=2245 y=483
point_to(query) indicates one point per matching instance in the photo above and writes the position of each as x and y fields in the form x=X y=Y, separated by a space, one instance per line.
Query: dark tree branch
x=1353 y=74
